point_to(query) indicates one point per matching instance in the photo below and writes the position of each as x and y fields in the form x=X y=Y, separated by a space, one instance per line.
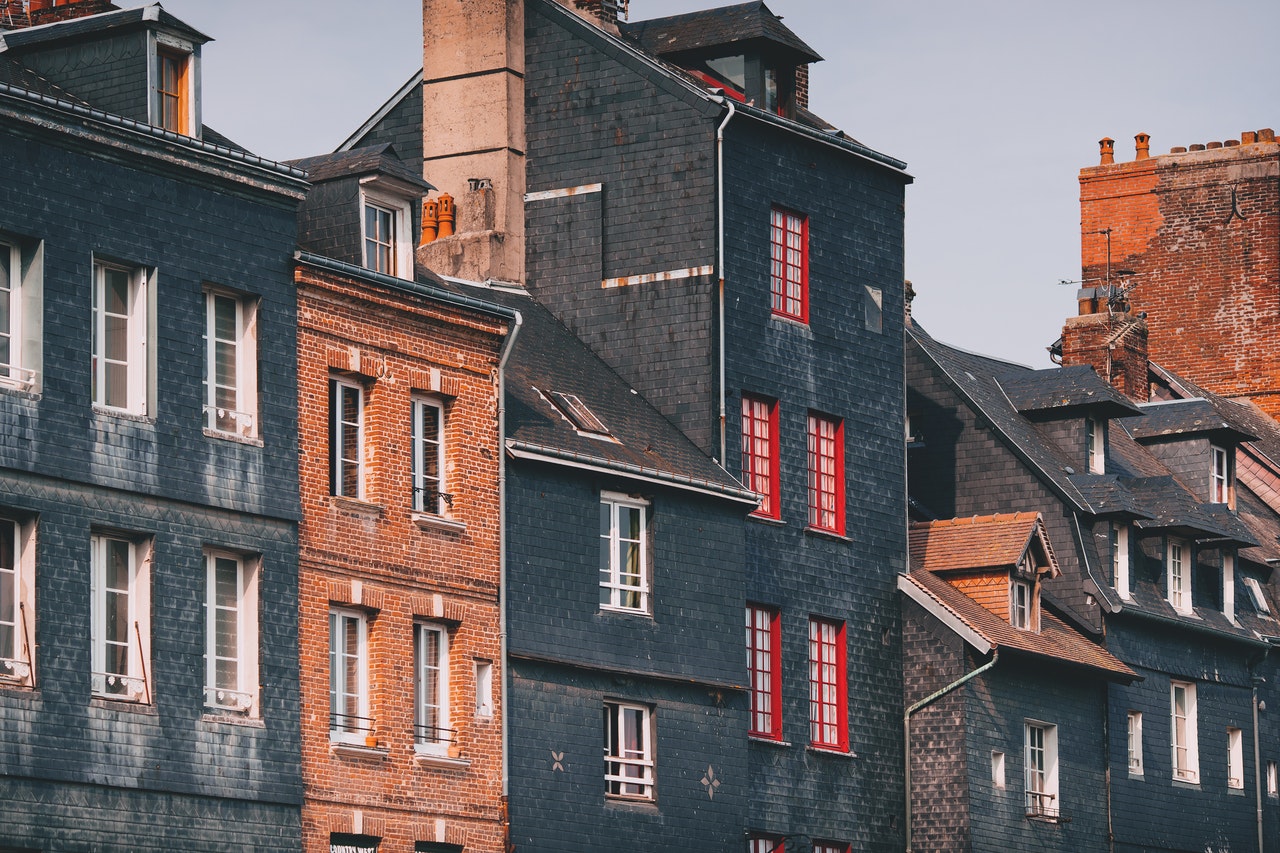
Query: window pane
x=8 y=591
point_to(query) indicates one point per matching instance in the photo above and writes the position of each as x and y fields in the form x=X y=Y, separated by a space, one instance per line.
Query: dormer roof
x=744 y=28
x=1066 y=391
x=1002 y=541
x=360 y=162
x=1172 y=419
x=94 y=25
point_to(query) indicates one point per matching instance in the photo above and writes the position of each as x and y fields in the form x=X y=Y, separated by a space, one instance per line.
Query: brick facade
x=373 y=555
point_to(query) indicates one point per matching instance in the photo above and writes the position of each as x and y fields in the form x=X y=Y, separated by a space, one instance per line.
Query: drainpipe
x=720 y=259
x=512 y=334
x=906 y=727
x=1257 y=768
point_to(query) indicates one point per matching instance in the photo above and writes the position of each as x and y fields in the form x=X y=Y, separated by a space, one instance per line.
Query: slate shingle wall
x=108 y=72
x=402 y=127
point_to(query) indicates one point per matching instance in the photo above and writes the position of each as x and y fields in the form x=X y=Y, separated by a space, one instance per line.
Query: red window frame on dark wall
x=764 y=666
x=760 y=469
x=828 y=688
x=789 y=264
x=826 y=473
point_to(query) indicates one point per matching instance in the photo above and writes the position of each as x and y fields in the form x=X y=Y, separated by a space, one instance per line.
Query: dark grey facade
x=114 y=738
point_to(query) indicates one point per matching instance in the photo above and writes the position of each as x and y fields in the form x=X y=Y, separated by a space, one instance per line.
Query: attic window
x=752 y=79
x=1020 y=609
x=1255 y=595
x=173 y=84
x=577 y=413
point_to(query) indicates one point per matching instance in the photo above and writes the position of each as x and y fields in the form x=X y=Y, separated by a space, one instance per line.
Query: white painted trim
x=650 y=278
x=939 y=611
x=563 y=192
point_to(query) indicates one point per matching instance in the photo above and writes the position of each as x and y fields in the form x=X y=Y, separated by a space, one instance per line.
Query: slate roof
x=1066 y=389
x=981 y=542
x=14 y=73
x=1178 y=418
x=746 y=24
x=1055 y=640
x=643 y=444
x=373 y=159
x=92 y=25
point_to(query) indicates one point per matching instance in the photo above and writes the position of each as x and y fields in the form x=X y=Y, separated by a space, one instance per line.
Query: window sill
x=1235 y=792
x=20 y=389
x=1141 y=777
x=1041 y=818
x=767 y=519
x=768 y=741
x=115 y=704
x=782 y=321
x=832 y=751
x=232 y=719
x=630 y=803
x=123 y=414
x=827 y=534
x=355 y=505
x=1186 y=784
x=427 y=521
x=625 y=611
x=233 y=437
x=352 y=750
x=429 y=759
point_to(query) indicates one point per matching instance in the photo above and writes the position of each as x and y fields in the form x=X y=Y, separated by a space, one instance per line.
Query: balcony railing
x=349 y=726
x=1042 y=804
x=434 y=735
x=20 y=377
x=230 y=421
x=227 y=700
x=12 y=669
x=113 y=685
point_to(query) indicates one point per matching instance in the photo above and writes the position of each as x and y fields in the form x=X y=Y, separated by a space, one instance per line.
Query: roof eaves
x=826 y=138
x=403 y=92
x=939 y=610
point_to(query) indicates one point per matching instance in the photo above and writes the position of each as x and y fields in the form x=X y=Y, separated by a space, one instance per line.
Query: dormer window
x=753 y=80
x=1095 y=442
x=1020 y=605
x=1176 y=569
x=1222 y=477
x=385 y=222
x=1120 y=559
x=173 y=85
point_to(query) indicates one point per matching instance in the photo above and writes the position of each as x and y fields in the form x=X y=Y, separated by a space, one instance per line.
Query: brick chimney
x=473 y=134
x=1113 y=339
x=19 y=14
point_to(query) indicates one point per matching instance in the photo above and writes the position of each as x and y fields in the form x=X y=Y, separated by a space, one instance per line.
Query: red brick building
x=398 y=389
x=1189 y=238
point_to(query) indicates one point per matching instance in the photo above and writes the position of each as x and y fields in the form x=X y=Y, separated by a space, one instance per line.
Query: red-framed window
x=826 y=473
x=828 y=692
x=766 y=844
x=764 y=665
x=829 y=847
x=789 y=264
x=760 y=452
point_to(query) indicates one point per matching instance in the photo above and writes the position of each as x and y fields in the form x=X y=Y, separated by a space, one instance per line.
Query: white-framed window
x=431 y=732
x=120 y=587
x=1020 y=615
x=1177 y=570
x=231 y=631
x=1041 y=762
x=230 y=363
x=349 y=718
x=484 y=688
x=1221 y=476
x=624 y=561
x=21 y=313
x=346 y=438
x=1256 y=596
x=629 y=771
x=385 y=222
x=17 y=602
x=1229 y=585
x=174 y=68
x=1120 y=559
x=1135 y=743
x=997 y=769
x=120 y=332
x=1095 y=443
x=1184 y=738
x=1235 y=758
x=429 y=492
x=1273 y=779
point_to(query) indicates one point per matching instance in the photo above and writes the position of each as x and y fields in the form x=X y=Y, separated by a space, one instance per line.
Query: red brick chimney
x=1109 y=336
x=18 y=14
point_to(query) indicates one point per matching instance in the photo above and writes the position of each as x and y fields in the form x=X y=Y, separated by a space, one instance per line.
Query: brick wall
x=370 y=556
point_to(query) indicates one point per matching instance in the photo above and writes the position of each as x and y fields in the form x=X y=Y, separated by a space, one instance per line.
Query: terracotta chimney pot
x=1142 y=146
x=1107 y=146
x=1249 y=137
x=1266 y=135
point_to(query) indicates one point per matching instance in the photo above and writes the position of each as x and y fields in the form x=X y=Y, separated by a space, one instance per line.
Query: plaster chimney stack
x=1142 y=146
x=473 y=134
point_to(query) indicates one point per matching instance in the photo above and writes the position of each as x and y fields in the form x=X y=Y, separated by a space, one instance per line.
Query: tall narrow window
x=1095 y=441
x=760 y=452
x=428 y=457
x=16 y=603
x=1256 y=597
x=628 y=751
x=1176 y=560
x=484 y=688
x=1135 y=743
x=765 y=670
x=1273 y=779
x=119 y=338
x=432 y=734
x=230 y=364
x=826 y=473
x=789 y=264
x=170 y=109
x=1220 y=482
x=1235 y=759
x=346 y=438
x=624 y=570
x=828 y=723
x=231 y=632
x=120 y=620
x=1229 y=585
x=1020 y=605
x=997 y=769
x=10 y=312
x=1120 y=558
x=1186 y=754
x=349 y=719
x=1041 y=757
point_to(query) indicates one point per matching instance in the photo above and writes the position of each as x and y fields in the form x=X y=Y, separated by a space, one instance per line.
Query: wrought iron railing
x=12 y=669
x=117 y=686
x=229 y=421
x=227 y=700
x=1042 y=804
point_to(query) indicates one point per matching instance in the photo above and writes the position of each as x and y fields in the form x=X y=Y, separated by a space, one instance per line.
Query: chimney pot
x=1231 y=143
x=1107 y=146
x=446 y=215
x=1249 y=137
x=430 y=221
x=1199 y=146
x=1213 y=146
x=1178 y=149
x=1142 y=146
x=1266 y=135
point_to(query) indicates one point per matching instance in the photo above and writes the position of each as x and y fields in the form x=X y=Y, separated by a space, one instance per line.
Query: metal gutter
x=503 y=675
x=417 y=288
x=557 y=456
x=640 y=673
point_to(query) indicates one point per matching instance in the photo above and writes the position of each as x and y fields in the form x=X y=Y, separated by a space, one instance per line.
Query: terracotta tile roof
x=980 y=542
x=1055 y=640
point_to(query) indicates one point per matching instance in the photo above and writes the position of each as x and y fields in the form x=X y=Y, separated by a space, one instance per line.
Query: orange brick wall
x=370 y=555
x=1201 y=228
x=990 y=589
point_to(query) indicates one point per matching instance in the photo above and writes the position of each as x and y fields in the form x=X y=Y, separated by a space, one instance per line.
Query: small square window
x=628 y=751
x=343 y=842
x=826 y=473
x=624 y=568
x=828 y=716
x=231 y=632
x=766 y=844
x=789 y=264
x=349 y=716
x=829 y=847
x=230 y=364
x=120 y=581
x=764 y=667
x=1256 y=596
x=760 y=461
x=346 y=438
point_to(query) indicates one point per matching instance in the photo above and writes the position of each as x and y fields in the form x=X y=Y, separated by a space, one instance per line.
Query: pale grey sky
x=995 y=105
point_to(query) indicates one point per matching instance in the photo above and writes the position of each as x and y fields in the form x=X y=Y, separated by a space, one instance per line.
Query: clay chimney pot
x=1107 y=146
x=1249 y=137
x=1266 y=135
x=1142 y=146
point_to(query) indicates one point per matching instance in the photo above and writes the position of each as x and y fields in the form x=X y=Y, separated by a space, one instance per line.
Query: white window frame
x=1040 y=760
x=1135 y=744
x=1229 y=586
x=133 y=683
x=1095 y=441
x=484 y=688
x=231 y=402
x=1257 y=596
x=338 y=428
x=1235 y=758
x=630 y=769
x=401 y=245
x=1184 y=737
x=1020 y=605
x=345 y=727
x=136 y=333
x=429 y=497
x=239 y=692
x=616 y=593
x=431 y=732
x=1178 y=575
x=1220 y=479
x=997 y=769
x=17 y=620
x=1273 y=779
x=167 y=42
x=1120 y=559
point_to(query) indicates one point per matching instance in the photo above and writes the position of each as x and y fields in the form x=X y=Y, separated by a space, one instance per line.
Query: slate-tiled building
x=148 y=466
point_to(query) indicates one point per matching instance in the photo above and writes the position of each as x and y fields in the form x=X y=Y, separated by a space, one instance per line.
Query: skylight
x=577 y=413
x=1255 y=595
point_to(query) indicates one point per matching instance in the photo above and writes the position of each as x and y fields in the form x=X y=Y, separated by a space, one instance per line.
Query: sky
x=995 y=105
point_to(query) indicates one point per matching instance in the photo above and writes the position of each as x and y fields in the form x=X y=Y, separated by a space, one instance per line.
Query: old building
x=148 y=467
x=399 y=382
